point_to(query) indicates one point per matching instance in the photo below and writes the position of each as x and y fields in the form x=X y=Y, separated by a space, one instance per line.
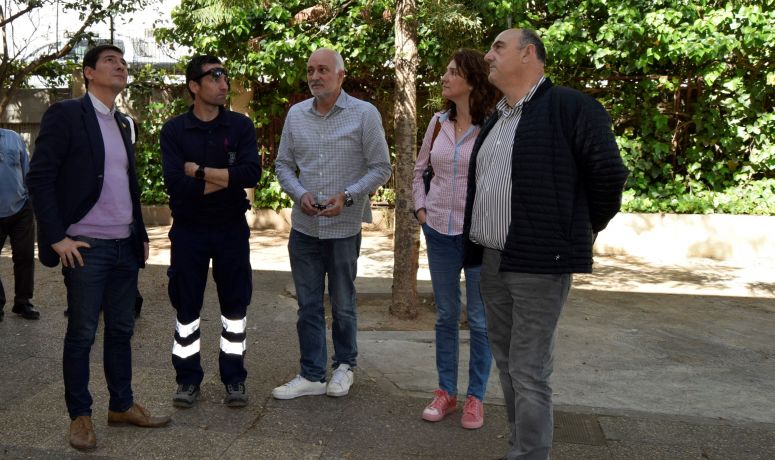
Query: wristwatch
x=200 y=172
x=348 y=199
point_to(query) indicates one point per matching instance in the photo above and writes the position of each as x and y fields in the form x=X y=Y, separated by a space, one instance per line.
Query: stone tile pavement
x=655 y=360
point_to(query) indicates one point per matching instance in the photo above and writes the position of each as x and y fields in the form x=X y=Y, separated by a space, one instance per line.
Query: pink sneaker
x=473 y=413
x=441 y=405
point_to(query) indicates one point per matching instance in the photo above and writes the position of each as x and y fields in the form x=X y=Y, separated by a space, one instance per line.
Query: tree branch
x=31 y=6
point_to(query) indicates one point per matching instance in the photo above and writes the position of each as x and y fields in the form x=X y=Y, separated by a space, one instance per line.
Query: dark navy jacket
x=567 y=179
x=67 y=170
x=229 y=141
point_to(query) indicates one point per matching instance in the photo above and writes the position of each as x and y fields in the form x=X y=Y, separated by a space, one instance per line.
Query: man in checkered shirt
x=337 y=144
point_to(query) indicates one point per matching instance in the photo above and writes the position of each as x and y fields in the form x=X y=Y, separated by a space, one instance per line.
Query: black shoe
x=2 y=313
x=235 y=395
x=186 y=395
x=26 y=311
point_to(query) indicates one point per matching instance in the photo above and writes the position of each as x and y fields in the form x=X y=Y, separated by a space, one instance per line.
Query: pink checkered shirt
x=445 y=203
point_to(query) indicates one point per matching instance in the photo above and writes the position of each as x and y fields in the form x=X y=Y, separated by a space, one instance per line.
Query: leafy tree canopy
x=689 y=84
x=16 y=66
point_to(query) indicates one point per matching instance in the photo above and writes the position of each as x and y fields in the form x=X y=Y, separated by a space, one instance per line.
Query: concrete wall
x=662 y=236
x=680 y=236
x=28 y=105
x=267 y=219
x=24 y=112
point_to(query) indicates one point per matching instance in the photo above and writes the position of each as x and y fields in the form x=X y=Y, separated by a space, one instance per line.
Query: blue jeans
x=445 y=259
x=107 y=282
x=311 y=259
x=522 y=314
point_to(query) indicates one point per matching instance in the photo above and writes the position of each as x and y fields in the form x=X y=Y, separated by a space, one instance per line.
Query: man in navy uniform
x=209 y=156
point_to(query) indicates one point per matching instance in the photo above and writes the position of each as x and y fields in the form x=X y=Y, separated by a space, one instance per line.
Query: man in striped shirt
x=545 y=176
x=337 y=144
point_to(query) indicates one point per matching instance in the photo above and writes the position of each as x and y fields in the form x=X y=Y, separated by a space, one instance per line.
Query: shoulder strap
x=436 y=130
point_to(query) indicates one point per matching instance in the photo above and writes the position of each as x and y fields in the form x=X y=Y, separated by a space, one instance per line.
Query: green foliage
x=56 y=74
x=689 y=84
x=269 y=194
x=149 y=171
x=751 y=198
x=16 y=67
x=152 y=95
x=267 y=43
x=384 y=196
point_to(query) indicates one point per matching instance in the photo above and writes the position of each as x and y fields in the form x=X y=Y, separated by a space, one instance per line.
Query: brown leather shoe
x=137 y=415
x=82 y=435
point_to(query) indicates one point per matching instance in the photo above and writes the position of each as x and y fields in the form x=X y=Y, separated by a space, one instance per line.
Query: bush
x=269 y=194
x=752 y=198
x=156 y=101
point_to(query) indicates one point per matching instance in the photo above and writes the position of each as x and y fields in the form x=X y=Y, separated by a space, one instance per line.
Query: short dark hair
x=93 y=55
x=530 y=37
x=194 y=68
x=473 y=68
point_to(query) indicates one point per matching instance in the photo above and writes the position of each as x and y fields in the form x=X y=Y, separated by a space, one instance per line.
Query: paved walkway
x=654 y=360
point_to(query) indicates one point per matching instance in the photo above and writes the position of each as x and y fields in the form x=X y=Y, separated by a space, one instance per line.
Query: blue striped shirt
x=344 y=149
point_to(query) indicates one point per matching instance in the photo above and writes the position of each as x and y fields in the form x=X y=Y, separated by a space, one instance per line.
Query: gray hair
x=338 y=61
x=530 y=37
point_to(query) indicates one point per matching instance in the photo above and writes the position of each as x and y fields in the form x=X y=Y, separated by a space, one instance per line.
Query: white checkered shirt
x=342 y=150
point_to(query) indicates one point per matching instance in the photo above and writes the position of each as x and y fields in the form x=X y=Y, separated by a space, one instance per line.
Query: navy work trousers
x=192 y=249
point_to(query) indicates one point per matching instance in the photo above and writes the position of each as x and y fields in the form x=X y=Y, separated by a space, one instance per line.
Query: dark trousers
x=192 y=248
x=106 y=282
x=20 y=227
x=522 y=314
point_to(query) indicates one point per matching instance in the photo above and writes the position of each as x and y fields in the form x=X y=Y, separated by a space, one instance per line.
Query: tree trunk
x=406 y=240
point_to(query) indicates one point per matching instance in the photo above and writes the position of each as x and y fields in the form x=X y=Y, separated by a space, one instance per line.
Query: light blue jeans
x=445 y=259
x=522 y=314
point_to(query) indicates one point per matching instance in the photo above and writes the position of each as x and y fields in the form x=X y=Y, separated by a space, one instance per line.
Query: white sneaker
x=341 y=381
x=299 y=386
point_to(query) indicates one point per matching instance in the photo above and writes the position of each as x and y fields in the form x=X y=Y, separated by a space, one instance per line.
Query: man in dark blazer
x=85 y=195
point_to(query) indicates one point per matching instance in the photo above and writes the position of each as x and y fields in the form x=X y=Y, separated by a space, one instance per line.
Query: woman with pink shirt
x=447 y=146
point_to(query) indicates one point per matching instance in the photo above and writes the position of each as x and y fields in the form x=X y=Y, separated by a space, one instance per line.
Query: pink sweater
x=111 y=217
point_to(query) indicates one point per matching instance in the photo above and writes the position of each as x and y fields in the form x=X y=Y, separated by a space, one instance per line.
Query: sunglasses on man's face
x=215 y=73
